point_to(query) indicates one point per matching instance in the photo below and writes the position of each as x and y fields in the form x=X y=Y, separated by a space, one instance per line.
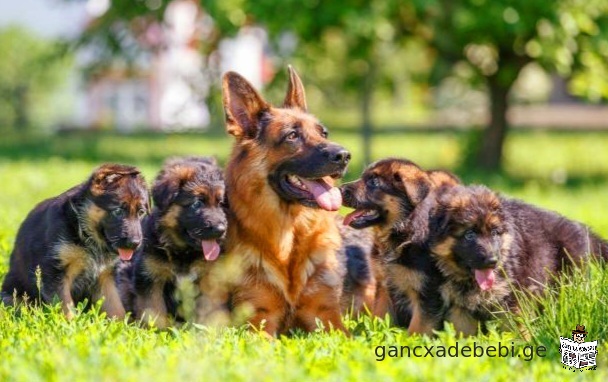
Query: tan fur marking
x=463 y=322
x=74 y=260
x=151 y=309
x=108 y=290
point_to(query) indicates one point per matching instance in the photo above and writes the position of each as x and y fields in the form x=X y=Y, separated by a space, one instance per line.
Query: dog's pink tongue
x=211 y=249
x=352 y=216
x=329 y=198
x=125 y=254
x=484 y=278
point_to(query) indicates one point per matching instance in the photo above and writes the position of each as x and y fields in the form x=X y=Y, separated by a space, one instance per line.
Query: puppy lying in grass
x=68 y=245
x=488 y=246
x=183 y=236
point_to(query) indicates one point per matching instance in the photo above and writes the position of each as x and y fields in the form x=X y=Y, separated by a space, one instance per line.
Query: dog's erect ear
x=164 y=191
x=243 y=106
x=415 y=184
x=296 y=97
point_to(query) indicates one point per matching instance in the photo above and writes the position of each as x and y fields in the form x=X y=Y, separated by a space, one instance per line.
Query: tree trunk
x=490 y=150
x=22 y=120
x=367 y=90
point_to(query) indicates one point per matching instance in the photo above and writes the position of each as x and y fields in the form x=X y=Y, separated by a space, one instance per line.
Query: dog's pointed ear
x=243 y=105
x=296 y=97
x=416 y=185
x=164 y=190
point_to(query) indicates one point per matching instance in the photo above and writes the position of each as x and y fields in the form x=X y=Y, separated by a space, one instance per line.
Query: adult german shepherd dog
x=282 y=231
x=394 y=196
x=488 y=246
x=182 y=236
x=74 y=239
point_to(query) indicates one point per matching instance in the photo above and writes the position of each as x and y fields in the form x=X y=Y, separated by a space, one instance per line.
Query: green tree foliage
x=31 y=70
x=498 y=38
x=357 y=46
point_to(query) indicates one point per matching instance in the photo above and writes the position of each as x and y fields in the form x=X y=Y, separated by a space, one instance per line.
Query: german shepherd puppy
x=395 y=197
x=487 y=246
x=181 y=236
x=281 y=227
x=74 y=240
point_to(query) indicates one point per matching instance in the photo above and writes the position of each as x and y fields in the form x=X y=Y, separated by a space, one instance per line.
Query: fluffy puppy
x=487 y=246
x=395 y=197
x=182 y=237
x=68 y=245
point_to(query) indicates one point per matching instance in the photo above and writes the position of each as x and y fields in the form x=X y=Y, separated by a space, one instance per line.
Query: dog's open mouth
x=362 y=218
x=485 y=278
x=210 y=245
x=315 y=192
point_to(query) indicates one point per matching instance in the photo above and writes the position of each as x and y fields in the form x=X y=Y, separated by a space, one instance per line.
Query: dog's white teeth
x=296 y=181
x=369 y=213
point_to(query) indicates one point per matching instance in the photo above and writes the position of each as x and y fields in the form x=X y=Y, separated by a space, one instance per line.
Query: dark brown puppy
x=395 y=196
x=487 y=246
x=282 y=234
x=182 y=236
x=74 y=240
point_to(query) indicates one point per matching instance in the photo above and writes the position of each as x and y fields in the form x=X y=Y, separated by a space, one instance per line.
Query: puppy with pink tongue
x=182 y=236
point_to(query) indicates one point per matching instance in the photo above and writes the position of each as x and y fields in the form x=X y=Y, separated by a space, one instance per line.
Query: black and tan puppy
x=182 y=235
x=487 y=246
x=74 y=239
x=395 y=196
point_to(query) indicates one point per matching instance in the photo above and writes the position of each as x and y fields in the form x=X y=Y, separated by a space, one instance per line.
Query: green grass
x=567 y=172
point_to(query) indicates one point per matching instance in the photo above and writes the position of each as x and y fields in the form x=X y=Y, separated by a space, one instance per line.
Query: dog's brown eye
x=118 y=212
x=292 y=136
x=495 y=232
x=469 y=235
x=373 y=182
x=141 y=213
x=196 y=204
x=324 y=133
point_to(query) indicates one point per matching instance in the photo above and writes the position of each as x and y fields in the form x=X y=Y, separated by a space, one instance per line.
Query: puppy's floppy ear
x=164 y=190
x=295 y=97
x=418 y=225
x=415 y=184
x=243 y=106
x=106 y=176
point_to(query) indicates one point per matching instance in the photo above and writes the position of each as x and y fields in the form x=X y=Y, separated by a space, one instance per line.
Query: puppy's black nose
x=218 y=229
x=490 y=262
x=130 y=243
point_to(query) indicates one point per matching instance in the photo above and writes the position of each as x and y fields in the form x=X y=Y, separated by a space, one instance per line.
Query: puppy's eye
x=292 y=136
x=469 y=235
x=495 y=232
x=141 y=213
x=324 y=133
x=373 y=182
x=196 y=204
x=118 y=212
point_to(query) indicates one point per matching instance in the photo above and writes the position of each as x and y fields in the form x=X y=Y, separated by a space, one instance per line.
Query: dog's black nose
x=490 y=262
x=342 y=157
x=130 y=243
x=218 y=229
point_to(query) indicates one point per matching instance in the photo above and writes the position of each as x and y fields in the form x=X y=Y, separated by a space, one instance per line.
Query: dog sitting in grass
x=182 y=238
x=68 y=245
x=394 y=196
x=487 y=246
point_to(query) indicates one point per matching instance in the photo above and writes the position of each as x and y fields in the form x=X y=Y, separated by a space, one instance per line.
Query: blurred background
x=511 y=93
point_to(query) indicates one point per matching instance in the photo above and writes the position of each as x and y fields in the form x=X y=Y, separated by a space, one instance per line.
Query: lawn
x=567 y=172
